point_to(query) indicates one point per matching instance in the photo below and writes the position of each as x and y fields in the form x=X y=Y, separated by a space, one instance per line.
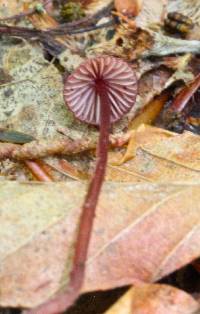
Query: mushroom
x=99 y=92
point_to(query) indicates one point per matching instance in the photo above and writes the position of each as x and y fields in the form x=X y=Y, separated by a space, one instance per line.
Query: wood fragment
x=40 y=149
x=46 y=37
x=44 y=148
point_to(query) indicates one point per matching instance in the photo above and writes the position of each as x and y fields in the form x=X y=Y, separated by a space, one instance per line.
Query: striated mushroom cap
x=120 y=83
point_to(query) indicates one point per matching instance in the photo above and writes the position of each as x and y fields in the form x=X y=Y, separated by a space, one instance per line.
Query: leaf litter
x=152 y=185
x=155 y=299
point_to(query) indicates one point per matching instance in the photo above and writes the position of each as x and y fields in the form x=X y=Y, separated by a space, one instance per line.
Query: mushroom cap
x=82 y=98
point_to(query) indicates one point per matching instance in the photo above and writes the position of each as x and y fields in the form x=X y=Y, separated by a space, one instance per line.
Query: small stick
x=41 y=149
x=26 y=32
x=18 y=16
x=44 y=148
x=23 y=14
x=59 y=31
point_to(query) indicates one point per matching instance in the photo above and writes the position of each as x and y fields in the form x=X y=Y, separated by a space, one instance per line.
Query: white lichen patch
x=33 y=101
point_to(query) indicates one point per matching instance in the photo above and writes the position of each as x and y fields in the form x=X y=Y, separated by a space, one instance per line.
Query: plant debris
x=147 y=220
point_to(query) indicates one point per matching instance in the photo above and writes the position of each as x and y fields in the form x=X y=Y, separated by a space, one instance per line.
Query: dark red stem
x=63 y=301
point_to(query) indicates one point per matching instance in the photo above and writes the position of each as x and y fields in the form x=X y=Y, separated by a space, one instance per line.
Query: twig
x=46 y=37
x=65 y=28
x=18 y=16
x=43 y=148
x=59 y=31
x=23 y=14
x=166 y=45
x=26 y=32
x=88 y=20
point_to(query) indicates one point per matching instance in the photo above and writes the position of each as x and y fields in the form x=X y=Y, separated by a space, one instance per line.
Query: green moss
x=39 y=8
x=71 y=11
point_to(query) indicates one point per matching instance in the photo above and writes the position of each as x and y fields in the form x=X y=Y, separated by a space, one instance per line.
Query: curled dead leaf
x=129 y=8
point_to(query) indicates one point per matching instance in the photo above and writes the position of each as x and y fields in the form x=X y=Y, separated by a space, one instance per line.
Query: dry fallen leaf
x=157 y=155
x=154 y=230
x=92 y=6
x=128 y=7
x=142 y=231
x=33 y=101
x=151 y=14
x=155 y=299
x=8 y=8
x=141 y=243
x=149 y=114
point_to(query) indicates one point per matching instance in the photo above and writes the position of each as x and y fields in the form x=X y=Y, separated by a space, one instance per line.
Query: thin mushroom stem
x=63 y=301
x=90 y=203
x=99 y=92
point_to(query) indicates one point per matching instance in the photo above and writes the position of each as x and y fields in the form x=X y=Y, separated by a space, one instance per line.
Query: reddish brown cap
x=120 y=85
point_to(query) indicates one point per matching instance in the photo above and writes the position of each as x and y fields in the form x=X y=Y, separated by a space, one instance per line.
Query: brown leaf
x=155 y=299
x=93 y=6
x=123 y=250
x=142 y=232
x=162 y=155
x=150 y=85
x=182 y=149
x=8 y=8
x=155 y=241
x=151 y=13
x=128 y=7
x=150 y=112
x=38 y=217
